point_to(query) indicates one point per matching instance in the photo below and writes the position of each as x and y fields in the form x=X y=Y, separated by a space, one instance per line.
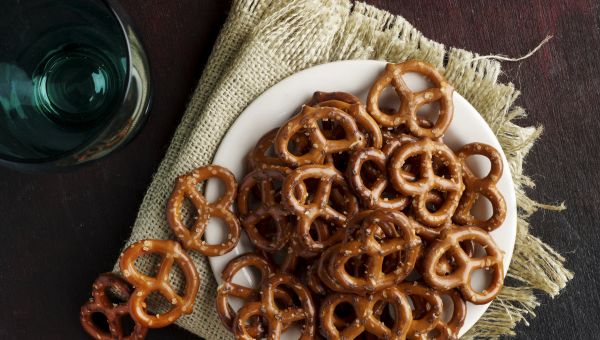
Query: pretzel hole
x=291 y=298
x=214 y=195
x=148 y=264
x=331 y=129
x=440 y=167
x=479 y=165
x=189 y=213
x=116 y=296
x=340 y=160
x=481 y=279
x=388 y=314
x=177 y=279
x=447 y=308
x=412 y=166
x=428 y=114
x=473 y=249
x=218 y=230
x=311 y=187
x=434 y=334
x=298 y=145
x=340 y=199
x=482 y=209
x=157 y=304
x=390 y=100
x=100 y=321
x=345 y=314
x=391 y=262
x=419 y=306
x=267 y=228
x=356 y=266
x=369 y=173
x=249 y=276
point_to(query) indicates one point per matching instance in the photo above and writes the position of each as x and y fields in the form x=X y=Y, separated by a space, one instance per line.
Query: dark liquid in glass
x=60 y=78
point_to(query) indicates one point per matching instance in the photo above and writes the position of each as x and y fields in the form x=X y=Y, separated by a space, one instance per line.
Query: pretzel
x=475 y=186
x=428 y=181
x=273 y=316
x=428 y=308
x=260 y=156
x=449 y=330
x=308 y=120
x=449 y=245
x=229 y=288
x=192 y=238
x=171 y=253
x=366 y=317
x=114 y=312
x=400 y=239
x=411 y=101
x=319 y=207
x=351 y=105
x=270 y=208
x=371 y=196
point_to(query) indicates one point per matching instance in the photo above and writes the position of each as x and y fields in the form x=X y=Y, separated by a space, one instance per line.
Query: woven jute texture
x=264 y=41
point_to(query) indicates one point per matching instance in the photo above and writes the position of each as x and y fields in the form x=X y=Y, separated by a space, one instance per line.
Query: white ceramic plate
x=283 y=100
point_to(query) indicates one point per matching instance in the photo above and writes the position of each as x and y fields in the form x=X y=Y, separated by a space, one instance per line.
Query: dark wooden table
x=60 y=230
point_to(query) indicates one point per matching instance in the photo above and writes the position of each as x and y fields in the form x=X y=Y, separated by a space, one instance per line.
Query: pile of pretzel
x=361 y=218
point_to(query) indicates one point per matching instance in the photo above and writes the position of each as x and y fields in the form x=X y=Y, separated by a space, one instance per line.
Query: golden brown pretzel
x=192 y=237
x=259 y=157
x=449 y=330
x=428 y=181
x=319 y=207
x=351 y=105
x=270 y=208
x=308 y=120
x=372 y=196
x=276 y=318
x=401 y=238
x=449 y=244
x=486 y=186
x=366 y=318
x=411 y=101
x=113 y=311
x=431 y=307
x=171 y=253
x=228 y=288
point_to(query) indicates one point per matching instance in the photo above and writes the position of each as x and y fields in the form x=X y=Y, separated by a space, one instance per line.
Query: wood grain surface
x=60 y=230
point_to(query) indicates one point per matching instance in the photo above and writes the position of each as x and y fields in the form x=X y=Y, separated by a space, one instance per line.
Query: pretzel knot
x=398 y=238
x=352 y=106
x=114 y=312
x=451 y=183
x=449 y=244
x=379 y=194
x=308 y=121
x=192 y=238
x=486 y=186
x=368 y=314
x=230 y=289
x=171 y=253
x=319 y=207
x=275 y=318
x=411 y=101
x=267 y=182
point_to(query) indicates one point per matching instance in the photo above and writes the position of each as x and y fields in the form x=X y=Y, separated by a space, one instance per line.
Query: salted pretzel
x=171 y=253
x=263 y=155
x=367 y=320
x=265 y=181
x=319 y=206
x=351 y=105
x=411 y=101
x=446 y=330
x=192 y=237
x=428 y=308
x=114 y=311
x=449 y=244
x=400 y=238
x=230 y=289
x=375 y=196
x=276 y=319
x=428 y=181
x=308 y=120
x=486 y=186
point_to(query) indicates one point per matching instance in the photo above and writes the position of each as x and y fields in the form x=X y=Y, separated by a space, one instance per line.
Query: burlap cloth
x=264 y=41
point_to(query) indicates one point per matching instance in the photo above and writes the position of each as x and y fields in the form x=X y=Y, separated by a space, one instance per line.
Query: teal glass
x=74 y=81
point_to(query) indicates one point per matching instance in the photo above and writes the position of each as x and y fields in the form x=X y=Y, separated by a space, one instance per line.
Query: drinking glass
x=74 y=81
